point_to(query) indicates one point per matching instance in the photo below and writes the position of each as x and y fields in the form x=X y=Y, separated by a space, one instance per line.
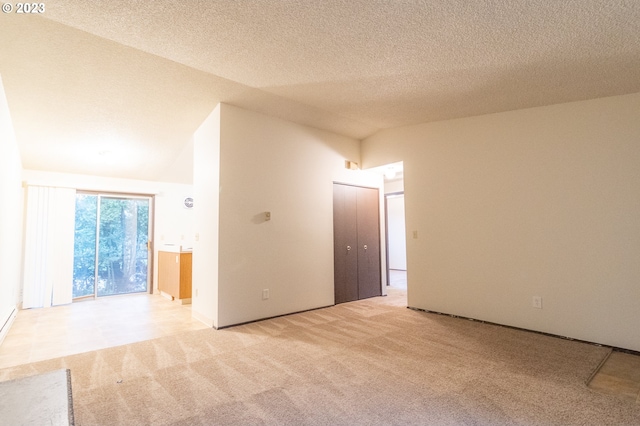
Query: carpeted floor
x=366 y=362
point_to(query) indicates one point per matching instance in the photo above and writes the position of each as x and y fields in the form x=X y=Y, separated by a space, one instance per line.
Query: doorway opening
x=396 y=240
x=395 y=229
x=112 y=245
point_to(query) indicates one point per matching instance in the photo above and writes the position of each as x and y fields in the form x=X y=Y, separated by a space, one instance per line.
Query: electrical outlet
x=196 y=292
x=265 y=294
x=537 y=302
x=415 y=235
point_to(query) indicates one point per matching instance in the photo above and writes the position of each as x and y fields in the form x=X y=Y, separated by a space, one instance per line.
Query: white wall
x=206 y=202
x=537 y=202
x=397 y=241
x=394 y=186
x=173 y=224
x=268 y=164
x=181 y=170
x=10 y=217
x=396 y=231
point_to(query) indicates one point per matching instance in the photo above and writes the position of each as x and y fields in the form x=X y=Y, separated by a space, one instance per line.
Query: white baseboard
x=166 y=295
x=202 y=318
x=7 y=324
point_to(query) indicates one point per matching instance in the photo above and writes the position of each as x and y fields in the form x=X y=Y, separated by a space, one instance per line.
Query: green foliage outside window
x=122 y=252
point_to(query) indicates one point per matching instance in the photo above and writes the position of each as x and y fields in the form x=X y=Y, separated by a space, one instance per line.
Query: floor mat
x=38 y=400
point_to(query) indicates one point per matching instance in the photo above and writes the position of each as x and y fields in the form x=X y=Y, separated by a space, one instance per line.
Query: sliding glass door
x=84 y=245
x=111 y=245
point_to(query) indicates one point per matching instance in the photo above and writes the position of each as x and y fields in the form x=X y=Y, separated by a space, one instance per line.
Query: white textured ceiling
x=132 y=79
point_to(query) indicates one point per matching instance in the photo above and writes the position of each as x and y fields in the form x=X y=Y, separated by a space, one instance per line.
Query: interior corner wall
x=173 y=223
x=206 y=206
x=11 y=194
x=271 y=165
x=538 y=202
x=181 y=170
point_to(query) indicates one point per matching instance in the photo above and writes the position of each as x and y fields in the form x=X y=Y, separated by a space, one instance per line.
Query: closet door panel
x=345 y=251
x=368 y=223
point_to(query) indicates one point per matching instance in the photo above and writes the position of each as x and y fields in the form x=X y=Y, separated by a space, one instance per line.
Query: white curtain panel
x=48 y=261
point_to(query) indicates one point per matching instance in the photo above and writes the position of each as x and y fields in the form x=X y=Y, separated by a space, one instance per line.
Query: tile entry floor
x=46 y=333
x=620 y=376
x=83 y=326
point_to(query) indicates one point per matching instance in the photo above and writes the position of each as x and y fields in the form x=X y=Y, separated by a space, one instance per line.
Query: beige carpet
x=368 y=362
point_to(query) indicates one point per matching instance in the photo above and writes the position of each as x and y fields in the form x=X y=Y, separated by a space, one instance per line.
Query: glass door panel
x=110 y=253
x=122 y=250
x=84 y=254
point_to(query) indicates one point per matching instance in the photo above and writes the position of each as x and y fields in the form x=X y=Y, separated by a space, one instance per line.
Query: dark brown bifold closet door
x=368 y=243
x=345 y=243
x=356 y=243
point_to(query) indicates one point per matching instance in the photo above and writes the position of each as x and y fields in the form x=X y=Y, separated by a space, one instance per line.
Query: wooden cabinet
x=174 y=274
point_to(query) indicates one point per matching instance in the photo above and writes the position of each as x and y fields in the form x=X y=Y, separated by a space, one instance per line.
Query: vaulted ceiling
x=117 y=88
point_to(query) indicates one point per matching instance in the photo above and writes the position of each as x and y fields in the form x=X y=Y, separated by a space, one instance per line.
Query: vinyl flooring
x=620 y=376
x=46 y=333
